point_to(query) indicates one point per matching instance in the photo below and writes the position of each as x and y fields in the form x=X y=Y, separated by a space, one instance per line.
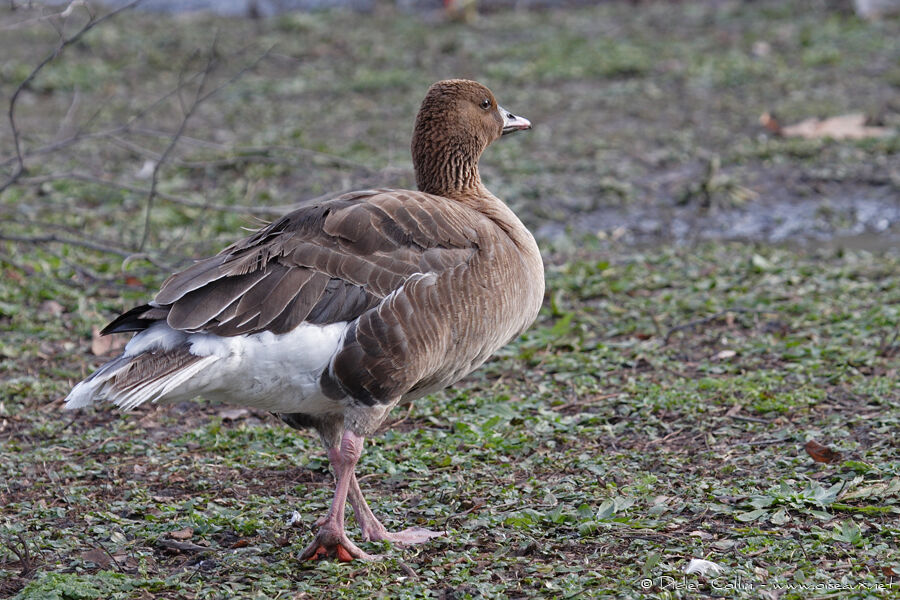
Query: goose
x=336 y=312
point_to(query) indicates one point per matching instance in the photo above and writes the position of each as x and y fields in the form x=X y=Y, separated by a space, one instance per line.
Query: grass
x=657 y=412
x=591 y=454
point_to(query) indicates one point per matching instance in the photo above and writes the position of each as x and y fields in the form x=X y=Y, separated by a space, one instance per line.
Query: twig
x=407 y=569
x=665 y=438
x=886 y=348
x=768 y=442
x=199 y=98
x=479 y=504
x=127 y=127
x=154 y=180
x=182 y=546
x=24 y=556
x=53 y=239
x=11 y=112
x=254 y=210
x=709 y=319
x=111 y=557
x=63 y=13
x=749 y=419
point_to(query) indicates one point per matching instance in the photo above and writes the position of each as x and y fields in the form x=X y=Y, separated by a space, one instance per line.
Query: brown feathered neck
x=449 y=137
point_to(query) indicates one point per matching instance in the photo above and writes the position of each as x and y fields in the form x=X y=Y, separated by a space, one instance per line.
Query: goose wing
x=320 y=264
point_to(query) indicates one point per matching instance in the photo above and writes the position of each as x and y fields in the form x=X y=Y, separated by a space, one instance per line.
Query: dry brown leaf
x=182 y=534
x=734 y=410
x=104 y=344
x=97 y=556
x=844 y=127
x=52 y=307
x=820 y=453
x=233 y=414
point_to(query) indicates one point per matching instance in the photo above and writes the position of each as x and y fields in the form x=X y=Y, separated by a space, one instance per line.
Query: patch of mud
x=849 y=214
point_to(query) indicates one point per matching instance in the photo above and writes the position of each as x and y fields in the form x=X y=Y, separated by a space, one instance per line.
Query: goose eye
x=486 y=104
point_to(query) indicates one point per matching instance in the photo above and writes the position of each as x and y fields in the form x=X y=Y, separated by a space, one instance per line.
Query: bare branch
x=126 y=254
x=199 y=98
x=253 y=210
x=63 y=44
x=53 y=239
x=154 y=180
x=127 y=127
x=274 y=210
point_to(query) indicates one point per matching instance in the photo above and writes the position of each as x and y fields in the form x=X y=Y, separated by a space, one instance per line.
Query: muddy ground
x=718 y=297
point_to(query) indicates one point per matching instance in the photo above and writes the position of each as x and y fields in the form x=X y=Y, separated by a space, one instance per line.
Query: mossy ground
x=658 y=410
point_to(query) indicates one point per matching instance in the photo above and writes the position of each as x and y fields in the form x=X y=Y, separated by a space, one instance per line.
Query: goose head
x=458 y=119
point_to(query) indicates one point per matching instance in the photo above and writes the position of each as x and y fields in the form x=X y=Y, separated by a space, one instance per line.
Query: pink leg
x=331 y=539
x=373 y=530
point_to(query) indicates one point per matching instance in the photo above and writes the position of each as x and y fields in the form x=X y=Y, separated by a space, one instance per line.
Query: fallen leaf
x=97 y=556
x=182 y=534
x=844 y=127
x=240 y=543
x=233 y=414
x=52 y=307
x=820 y=453
x=725 y=355
x=104 y=344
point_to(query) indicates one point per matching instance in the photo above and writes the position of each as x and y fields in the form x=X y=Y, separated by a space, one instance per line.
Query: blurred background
x=655 y=122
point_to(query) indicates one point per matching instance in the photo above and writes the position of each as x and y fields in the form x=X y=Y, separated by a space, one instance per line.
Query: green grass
x=589 y=455
x=657 y=411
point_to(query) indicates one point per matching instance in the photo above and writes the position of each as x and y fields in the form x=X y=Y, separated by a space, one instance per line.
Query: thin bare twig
x=11 y=112
x=127 y=127
x=111 y=557
x=25 y=559
x=253 y=210
x=53 y=239
x=710 y=319
x=127 y=255
x=154 y=179
x=199 y=98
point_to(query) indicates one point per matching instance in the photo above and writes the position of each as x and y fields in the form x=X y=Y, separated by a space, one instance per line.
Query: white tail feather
x=162 y=387
x=100 y=386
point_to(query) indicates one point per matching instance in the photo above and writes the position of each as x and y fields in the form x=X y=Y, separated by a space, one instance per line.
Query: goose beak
x=512 y=123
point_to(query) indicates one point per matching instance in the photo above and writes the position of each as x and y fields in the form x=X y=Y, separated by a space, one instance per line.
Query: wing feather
x=324 y=263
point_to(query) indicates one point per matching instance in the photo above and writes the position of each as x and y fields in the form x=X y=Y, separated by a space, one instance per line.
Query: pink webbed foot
x=407 y=537
x=329 y=544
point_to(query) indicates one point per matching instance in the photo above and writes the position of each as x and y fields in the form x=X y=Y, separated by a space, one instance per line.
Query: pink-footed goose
x=336 y=312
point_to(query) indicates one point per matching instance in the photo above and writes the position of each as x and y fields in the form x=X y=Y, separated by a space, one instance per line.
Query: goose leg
x=331 y=539
x=373 y=530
